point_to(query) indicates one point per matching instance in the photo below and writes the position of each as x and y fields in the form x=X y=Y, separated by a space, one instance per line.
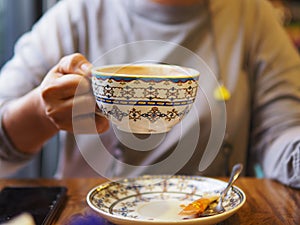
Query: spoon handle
x=236 y=170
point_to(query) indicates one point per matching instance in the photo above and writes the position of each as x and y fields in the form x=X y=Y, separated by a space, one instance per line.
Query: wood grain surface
x=267 y=201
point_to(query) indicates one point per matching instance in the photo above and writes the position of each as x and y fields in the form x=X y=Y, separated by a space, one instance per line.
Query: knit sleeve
x=275 y=66
x=35 y=53
x=11 y=159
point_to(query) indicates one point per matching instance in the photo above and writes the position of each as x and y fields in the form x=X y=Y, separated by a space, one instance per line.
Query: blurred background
x=288 y=12
x=17 y=17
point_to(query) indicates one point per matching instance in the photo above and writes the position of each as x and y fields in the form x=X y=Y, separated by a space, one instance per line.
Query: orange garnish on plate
x=197 y=207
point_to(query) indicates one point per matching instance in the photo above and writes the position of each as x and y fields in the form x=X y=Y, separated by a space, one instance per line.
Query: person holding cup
x=248 y=50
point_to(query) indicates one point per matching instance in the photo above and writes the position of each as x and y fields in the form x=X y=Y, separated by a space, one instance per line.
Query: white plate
x=157 y=199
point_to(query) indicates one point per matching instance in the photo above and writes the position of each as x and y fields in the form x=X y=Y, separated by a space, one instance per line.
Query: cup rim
x=190 y=72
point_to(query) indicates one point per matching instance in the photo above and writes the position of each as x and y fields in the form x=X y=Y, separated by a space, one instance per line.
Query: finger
x=59 y=110
x=89 y=124
x=102 y=124
x=75 y=63
x=77 y=106
x=84 y=104
x=62 y=115
x=67 y=86
x=73 y=85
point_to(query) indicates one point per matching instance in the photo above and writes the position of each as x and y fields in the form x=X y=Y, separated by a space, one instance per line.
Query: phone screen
x=43 y=203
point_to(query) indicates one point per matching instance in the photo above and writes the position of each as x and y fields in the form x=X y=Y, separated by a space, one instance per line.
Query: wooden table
x=268 y=202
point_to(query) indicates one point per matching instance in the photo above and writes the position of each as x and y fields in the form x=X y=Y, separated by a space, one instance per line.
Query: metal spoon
x=236 y=170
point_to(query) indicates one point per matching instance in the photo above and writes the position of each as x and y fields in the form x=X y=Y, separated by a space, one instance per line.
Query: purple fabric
x=88 y=219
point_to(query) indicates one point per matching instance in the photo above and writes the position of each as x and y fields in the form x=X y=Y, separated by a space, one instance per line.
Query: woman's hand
x=63 y=101
x=68 y=98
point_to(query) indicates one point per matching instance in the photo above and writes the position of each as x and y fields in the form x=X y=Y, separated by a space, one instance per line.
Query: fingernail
x=86 y=67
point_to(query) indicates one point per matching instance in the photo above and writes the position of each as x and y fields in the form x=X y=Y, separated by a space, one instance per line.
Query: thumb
x=74 y=64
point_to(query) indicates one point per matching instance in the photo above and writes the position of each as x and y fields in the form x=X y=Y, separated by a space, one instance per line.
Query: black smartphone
x=43 y=203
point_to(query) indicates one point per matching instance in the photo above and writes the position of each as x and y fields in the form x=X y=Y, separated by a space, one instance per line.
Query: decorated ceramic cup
x=144 y=98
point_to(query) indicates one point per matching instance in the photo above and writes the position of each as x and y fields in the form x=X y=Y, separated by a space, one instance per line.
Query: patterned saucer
x=158 y=199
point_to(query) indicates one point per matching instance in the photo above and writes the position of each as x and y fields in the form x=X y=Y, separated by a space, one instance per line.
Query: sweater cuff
x=282 y=159
x=8 y=152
